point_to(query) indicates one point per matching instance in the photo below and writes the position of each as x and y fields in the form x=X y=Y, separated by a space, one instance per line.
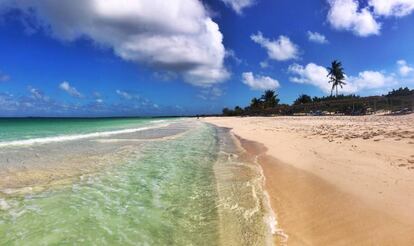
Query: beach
x=215 y=181
x=335 y=180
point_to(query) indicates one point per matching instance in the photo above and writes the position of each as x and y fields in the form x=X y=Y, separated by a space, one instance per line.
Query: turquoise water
x=187 y=190
x=29 y=128
x=164 y=196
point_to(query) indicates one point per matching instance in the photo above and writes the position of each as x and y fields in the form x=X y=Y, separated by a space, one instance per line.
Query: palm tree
x=303 y=99
x=336 y=76
x=238 y=110
x=255 y=103
x=270 y=99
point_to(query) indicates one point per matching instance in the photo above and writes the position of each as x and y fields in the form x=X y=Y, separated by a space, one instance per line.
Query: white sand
x=337 y=180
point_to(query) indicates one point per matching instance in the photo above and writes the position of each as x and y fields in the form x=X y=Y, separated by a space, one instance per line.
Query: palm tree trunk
x=336 y=91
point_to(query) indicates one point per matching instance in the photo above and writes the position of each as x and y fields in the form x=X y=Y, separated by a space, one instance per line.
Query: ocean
x=128 y=182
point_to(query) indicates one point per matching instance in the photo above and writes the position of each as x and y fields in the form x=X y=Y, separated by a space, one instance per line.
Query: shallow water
x=189 y=190
x=30 y=128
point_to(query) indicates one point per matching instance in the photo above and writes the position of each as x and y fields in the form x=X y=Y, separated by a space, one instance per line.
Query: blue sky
x=142 y=57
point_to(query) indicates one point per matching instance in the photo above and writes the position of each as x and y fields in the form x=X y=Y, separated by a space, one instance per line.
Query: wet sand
x=350 y=186
x=245 y=213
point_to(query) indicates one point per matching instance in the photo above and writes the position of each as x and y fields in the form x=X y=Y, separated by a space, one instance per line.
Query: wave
x=62 y=138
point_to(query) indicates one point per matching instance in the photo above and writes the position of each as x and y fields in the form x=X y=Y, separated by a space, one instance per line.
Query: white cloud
x=127 y=95
x=371 y=80
x=239 y=5
x=310 y=74
x=264 y=64
x=65 y=86
x=349 y=15
x=316 y=75
x=397 y=8
x=231 y=54
x=177 y=36
x=317 y=37
x=259 y=82
x=346 y=15
x=281 y=49
x=404 y=69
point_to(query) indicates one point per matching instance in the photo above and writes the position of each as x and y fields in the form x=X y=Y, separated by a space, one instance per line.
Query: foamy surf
x=246 y=217
x=63 y=138
x=270 y=218
x=4 y=205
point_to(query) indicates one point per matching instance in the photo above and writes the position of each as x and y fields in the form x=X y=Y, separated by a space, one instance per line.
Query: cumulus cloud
x=404 y=69
x=238 y=5
x=281 y=49
x=310 y=74
x=177 y=36
x=316 y=75
x=259 y=82
x=396 y=8
x=65 y=86
x=347 y=15
x=317 y=38
x=371 y=80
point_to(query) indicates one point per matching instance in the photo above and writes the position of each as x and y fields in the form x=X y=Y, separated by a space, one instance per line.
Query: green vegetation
x=336 y=76
x=267 y=101
x=303 y=99
x=400 y=92
x=396 y=101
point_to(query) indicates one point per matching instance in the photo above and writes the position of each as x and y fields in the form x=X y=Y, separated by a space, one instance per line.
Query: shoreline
x=246 y=216
x=258 y=150
x=310 y=196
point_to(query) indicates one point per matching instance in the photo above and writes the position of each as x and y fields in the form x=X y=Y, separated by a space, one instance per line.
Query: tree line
x=269 y=103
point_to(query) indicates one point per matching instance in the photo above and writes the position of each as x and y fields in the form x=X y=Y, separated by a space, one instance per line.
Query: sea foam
x=63 y=138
